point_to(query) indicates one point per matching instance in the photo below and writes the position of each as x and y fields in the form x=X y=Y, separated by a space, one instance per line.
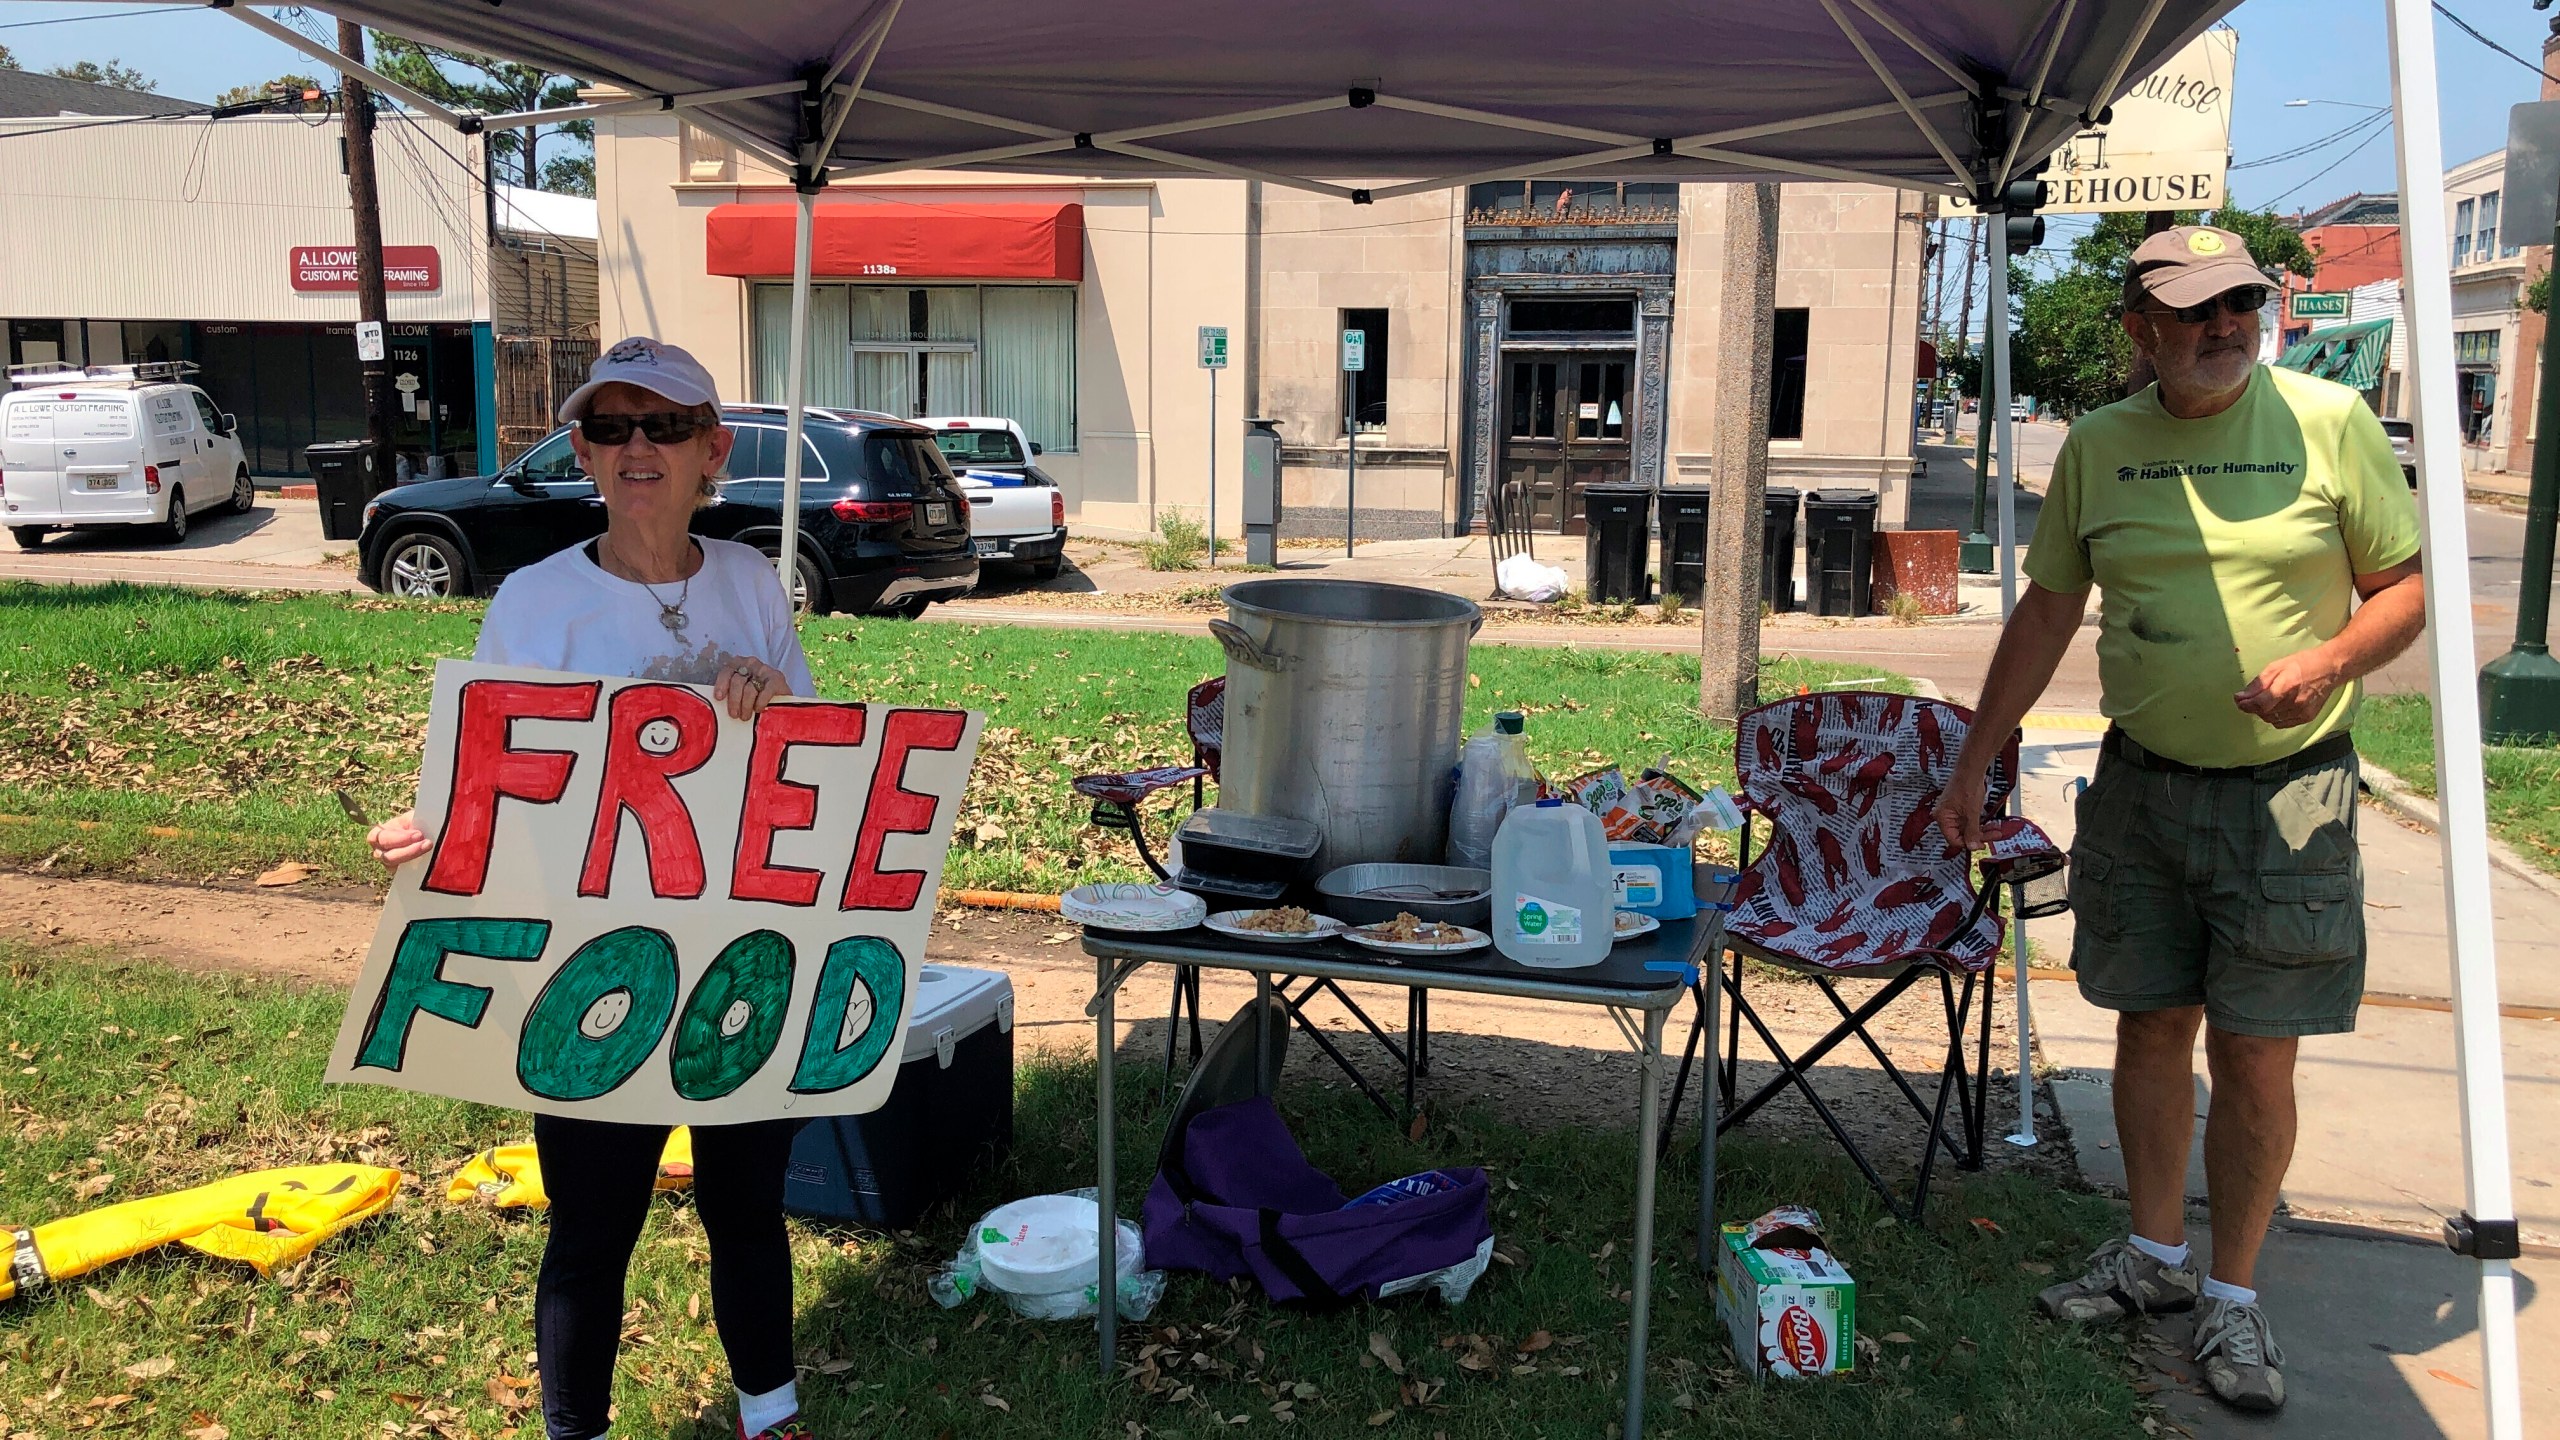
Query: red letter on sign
x=655 y=733
x=484 y=769
x=895 y=810
x=773 y=803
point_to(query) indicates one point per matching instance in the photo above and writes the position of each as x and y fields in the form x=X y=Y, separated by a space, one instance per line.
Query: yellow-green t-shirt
x=2220 y=546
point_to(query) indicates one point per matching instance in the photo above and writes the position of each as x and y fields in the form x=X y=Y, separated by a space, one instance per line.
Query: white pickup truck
x=1015 y=512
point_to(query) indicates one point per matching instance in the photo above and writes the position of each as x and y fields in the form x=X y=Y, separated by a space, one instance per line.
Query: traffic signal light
x=2019 y=200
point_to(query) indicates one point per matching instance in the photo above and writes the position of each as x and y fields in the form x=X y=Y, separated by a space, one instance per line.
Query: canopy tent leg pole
x=795 y=394
x=2479 y=1067
x=1996 y=413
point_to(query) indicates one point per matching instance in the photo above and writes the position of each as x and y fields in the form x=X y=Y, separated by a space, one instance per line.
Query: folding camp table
x=1643 y=980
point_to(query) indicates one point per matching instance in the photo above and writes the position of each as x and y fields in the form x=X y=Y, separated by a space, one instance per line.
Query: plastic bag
x=1523 y=578
x=1140 y=1288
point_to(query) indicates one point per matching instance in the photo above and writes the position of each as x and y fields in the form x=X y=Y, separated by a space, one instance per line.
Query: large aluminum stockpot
x=1346 y=702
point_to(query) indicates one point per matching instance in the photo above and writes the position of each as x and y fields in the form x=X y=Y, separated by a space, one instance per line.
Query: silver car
x=2404 y=446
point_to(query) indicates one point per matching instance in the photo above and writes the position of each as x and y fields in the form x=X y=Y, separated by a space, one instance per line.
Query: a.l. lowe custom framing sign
x=639 y=909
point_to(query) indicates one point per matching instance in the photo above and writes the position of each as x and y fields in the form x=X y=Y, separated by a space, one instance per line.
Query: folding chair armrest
x=1135 y=786
x=2022 y=856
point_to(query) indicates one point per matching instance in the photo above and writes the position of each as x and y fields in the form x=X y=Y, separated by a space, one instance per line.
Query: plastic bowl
x=1348 y=894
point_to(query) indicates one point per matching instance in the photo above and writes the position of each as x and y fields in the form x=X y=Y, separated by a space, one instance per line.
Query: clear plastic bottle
x=1554 y=902
x=1494 y=774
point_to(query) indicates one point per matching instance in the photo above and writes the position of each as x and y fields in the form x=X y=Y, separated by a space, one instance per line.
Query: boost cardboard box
x=1790 y=1309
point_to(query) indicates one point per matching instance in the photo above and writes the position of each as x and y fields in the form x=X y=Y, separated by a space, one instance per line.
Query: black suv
x=884 y=525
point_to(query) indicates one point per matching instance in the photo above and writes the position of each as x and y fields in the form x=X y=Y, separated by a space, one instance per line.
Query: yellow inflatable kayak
x=269 y=1218
x=507 y=1176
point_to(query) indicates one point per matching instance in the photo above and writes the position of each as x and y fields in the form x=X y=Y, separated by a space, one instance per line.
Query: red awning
x=1928 y=361
x=909 y=240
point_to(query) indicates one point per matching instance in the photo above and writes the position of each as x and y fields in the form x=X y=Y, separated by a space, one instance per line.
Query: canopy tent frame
x=2037 y=117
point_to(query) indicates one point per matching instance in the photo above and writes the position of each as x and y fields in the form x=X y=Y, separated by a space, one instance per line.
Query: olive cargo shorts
x=2243 y=896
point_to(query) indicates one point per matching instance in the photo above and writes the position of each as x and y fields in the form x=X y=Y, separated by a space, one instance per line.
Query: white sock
x=2171 y=1255
x=2225 y=1290
x=758 y=1413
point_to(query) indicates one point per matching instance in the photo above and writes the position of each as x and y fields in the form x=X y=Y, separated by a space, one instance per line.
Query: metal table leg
x=1106 y=1156
x=1648 y=1104
x=1712 y=1075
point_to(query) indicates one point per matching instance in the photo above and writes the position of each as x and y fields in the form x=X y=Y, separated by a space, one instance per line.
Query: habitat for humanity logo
x=2184 y=470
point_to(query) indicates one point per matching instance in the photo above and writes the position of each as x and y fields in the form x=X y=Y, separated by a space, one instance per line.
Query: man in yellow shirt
x=2231 y=516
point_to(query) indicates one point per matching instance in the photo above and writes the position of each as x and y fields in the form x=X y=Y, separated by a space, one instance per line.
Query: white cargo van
x=114 y=445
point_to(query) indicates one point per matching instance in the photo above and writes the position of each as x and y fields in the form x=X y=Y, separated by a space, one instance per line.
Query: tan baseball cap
x=2188 y=265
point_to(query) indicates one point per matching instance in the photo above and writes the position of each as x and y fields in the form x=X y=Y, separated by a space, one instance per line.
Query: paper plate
x=1470 y=940
x=1632 y=923
x=1231 y=922
x=1140 y=908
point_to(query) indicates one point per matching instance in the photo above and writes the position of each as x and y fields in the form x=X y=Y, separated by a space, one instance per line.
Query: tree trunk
x=1729 y=631
x=363 y=195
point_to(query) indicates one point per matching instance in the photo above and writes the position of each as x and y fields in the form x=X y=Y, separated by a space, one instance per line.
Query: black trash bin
x=345 y=474
x=1614 y=547
x=1681 y=515
x=1778 y=547
x=1840 y=539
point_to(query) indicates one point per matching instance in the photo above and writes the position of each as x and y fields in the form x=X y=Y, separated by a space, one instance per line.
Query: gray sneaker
x=2240 y=1356
x=2121 y=1282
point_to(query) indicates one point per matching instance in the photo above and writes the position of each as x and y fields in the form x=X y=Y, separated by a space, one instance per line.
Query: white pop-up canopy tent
x=1368 y=99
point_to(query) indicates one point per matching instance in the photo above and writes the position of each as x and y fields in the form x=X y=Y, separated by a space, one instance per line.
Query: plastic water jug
x=1554 y=900
x=1494 y=774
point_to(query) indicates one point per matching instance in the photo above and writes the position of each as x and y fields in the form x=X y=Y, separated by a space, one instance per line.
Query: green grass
x=164 y=1079
x=2397 y=732
x=235 y=720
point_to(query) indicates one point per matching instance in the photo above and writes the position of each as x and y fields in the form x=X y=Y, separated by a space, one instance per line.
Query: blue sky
x=2289 y=49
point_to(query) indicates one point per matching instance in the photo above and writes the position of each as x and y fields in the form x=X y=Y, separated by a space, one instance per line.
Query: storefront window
x=1364 y=391
x=1006 y=350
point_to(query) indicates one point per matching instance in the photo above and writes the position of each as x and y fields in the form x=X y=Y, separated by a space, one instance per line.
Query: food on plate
x=1410 y=929
x=1286 y=920
x=1629 y=922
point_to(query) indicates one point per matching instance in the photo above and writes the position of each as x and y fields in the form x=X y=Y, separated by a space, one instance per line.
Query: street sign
x=2164 y=148
x=2533 y=171
x=369 y=340
x=1355 y=349
x=2319 y=305
x=1213 y=347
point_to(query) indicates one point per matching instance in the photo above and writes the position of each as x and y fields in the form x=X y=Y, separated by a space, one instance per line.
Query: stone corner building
x=1557 y=333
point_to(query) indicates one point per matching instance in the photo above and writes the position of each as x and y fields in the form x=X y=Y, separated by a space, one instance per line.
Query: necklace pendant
x=673 y=619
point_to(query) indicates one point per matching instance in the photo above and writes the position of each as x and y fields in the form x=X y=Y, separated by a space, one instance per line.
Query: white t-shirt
x=569 y=613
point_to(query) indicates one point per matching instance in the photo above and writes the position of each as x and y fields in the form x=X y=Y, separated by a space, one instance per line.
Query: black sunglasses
x=663 y=427
x=2247 y=300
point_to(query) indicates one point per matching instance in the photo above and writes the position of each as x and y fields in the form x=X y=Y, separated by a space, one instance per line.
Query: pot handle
x=1240 y=647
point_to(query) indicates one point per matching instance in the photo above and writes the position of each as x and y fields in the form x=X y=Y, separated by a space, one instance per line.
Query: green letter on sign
x=417 y=982
x=729 y=1027
x=859 y=1010
x=600 y=1016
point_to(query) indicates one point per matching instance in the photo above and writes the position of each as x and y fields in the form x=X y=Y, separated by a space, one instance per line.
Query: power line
x=104 y=15
x=2466 y=28
x=2333 y=137
x=2332 y=165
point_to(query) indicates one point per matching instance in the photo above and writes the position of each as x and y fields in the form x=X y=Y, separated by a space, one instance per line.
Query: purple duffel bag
x=1237 y=1197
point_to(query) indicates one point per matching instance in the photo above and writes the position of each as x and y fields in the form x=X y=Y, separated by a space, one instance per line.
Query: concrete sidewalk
x=276 y=546
x=2377 y=1325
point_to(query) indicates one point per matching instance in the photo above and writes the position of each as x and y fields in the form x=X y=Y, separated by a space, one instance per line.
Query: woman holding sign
x=649 y=599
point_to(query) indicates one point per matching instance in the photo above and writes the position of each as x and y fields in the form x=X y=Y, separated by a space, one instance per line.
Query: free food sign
x=638 y=909
x=325 y=268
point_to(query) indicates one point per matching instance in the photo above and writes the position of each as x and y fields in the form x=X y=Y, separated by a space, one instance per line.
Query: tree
x=2537 y=296
x=115 y=73
x=469 y=81
x=283 y=93
x=570 y=175
x=2069 y=349
x=7 y=60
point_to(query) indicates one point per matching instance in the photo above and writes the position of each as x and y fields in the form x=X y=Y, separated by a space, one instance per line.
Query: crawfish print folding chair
x=1856 y=884
x=1116 y=799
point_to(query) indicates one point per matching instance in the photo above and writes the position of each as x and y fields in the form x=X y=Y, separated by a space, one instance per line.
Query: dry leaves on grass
x=291 y=872
x=151 y=1369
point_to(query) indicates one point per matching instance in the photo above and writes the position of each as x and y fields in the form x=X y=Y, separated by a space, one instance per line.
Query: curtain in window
x=879 y=313
x=951 y=313
x=950 y=382
x=829 y=382
x=885 y=380
x=1028 y=373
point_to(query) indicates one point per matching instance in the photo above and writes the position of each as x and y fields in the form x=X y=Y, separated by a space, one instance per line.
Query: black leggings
x=600 y=1177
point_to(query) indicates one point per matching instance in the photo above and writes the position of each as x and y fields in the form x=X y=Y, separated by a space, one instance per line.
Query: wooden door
x=1567 y=418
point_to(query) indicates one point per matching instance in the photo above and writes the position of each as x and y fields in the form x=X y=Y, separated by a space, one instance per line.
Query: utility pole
x=371 y=301
x=1964 y=320
x=1729 y=611
x=1974 y=555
